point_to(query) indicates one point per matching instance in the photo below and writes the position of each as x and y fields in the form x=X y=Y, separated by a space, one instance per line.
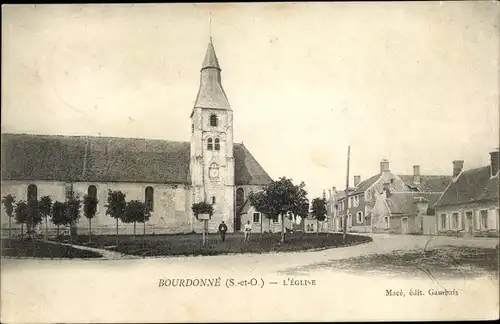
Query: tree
x=203 y=207
x=45 y=207
x=8 y=204
x=89 y=210
x=116 y=206
x=72 y=212
x=136 y=211
x=259 y=199
x=33 y=216
x=281 y=198
x=318 y=210
x=59 y=215
x=21 y=214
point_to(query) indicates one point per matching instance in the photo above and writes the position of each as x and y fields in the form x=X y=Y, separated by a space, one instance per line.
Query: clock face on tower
x=213 y=171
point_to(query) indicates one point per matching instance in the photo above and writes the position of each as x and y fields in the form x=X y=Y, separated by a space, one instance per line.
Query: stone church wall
x=172 y=205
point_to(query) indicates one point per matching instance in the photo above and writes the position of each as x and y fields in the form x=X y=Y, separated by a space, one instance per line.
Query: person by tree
x=248 y=230
x=45 y=207
x=8 y=202
x=222 y=231
x=89 y=210
x=318 y=211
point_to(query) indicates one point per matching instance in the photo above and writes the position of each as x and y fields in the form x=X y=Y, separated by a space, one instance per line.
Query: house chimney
x=495 y=162
x=384 y=166
x=416 y=173
x=329 y=194
x=324 y=194
x=357 y=180
x=458 y=165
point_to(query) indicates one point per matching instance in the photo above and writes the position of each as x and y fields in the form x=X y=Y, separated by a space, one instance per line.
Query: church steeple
x=210 y=60
x=211 y=94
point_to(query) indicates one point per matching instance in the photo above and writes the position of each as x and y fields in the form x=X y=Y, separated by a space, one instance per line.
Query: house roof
x=406 y=202
x=365 y=184
x=428 y=183
x=471 y=185
x=111 y=159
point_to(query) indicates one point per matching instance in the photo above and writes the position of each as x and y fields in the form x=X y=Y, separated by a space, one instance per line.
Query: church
x=168 y=175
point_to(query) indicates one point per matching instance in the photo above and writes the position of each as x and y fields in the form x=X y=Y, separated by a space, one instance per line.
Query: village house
x=469 y=206
x=404 y=213
x=363 y=196
x=169 y=176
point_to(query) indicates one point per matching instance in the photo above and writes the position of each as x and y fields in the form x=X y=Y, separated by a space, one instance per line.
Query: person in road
x=222 y=231
x=248 y=230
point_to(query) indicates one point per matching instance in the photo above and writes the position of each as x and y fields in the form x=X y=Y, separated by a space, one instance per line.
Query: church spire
x=210 y=60
x=211 y=94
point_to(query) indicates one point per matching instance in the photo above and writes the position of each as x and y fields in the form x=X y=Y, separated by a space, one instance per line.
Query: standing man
x=222 y=231
x=248 y=230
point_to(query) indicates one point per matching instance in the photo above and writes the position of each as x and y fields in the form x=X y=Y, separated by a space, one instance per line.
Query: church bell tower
x=212 y=162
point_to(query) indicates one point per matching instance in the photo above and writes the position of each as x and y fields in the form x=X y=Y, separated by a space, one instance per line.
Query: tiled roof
x=428 y=183
x=110 y=159
x=365 y=184
x=471 y=185
x=405 y=202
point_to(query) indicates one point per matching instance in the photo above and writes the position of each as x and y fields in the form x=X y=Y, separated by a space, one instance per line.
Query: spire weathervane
x=210 y=25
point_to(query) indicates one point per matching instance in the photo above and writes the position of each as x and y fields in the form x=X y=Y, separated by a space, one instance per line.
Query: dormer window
x=213 y=120
x=210 y=145
x=217 y=144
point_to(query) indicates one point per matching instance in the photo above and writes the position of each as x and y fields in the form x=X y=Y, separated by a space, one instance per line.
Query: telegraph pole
x=346 y=201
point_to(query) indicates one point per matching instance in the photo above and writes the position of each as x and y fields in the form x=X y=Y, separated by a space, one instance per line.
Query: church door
x=237 y=223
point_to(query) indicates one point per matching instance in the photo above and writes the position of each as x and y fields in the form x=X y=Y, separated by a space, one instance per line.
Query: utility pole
x=346 y=201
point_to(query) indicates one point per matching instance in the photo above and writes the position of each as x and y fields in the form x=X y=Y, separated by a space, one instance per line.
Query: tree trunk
x=10 y=231
x=270 y=231
x=144 y=232
x=317 y=226
x=261 y=224
x=22 y=231
x=134 y=229
x=117 y=231
x=46 y=229
x=282 y=228
x=90 y=230
x=57 y=230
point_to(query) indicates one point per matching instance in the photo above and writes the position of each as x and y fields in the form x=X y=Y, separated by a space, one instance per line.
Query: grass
x=191 y=244
x=38 y=249
x=439 y=262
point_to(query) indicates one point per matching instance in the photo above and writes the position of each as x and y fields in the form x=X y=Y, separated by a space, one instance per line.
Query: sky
x=414 y=83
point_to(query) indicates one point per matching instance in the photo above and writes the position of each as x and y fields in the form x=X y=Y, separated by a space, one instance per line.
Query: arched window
x=32 y=192
x=210 y=144
x=240 y=197
x=217 y=144
x=359 y=217
x=213 y=200
x=192 y=128
x=213 y=120
x=92 y=191
x=149 y=198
